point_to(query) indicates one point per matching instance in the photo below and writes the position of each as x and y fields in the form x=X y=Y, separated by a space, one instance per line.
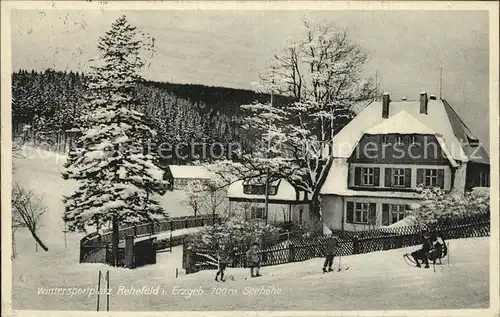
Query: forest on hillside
x=47 y=105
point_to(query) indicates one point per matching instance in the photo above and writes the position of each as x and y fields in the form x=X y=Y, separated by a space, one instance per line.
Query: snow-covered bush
x=437 y=205
x=235 y=234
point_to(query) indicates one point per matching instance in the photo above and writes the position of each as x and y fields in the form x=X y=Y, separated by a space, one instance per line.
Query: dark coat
x=331 y=247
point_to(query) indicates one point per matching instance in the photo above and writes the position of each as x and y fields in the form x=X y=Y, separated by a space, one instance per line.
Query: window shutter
x=372 y=217
x=440 y=178
x=350 y=212
x=388 y=178
x=385 y=214
x=376 y=176
x=407 y=177
x=420 y=176
x=357 y=176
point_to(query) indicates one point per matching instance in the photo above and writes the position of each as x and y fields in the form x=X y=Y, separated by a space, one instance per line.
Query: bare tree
x=321 y=75
x=27 y=209
x=206 y=197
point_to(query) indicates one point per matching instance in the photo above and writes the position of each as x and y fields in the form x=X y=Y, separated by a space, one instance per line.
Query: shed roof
x=190 y=172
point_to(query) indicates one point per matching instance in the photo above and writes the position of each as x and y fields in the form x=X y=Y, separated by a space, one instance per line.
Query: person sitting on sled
x=253 y=258
x=330 y=251
x=222 y=259
x=423 y=253
x=438 y=248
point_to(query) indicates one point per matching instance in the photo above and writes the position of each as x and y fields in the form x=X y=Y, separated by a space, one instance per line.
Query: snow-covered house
x=180 y=176
x=389 y=149
x=285 y=202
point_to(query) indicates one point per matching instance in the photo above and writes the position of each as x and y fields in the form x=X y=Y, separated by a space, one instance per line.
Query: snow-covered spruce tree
x=117 y=179
x=321 y=74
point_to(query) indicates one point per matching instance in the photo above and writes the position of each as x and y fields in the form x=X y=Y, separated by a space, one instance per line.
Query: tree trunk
x=13 y=244
x=37 y=239
x=115 y=239
x=314 y=213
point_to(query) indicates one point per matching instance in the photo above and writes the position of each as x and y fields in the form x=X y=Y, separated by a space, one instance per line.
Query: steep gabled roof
x=478 y=153
x=440 y=120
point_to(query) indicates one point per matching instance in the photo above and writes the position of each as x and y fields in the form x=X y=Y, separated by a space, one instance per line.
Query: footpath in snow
x=374 y=281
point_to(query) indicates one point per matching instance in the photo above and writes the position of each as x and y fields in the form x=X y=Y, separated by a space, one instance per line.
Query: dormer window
x=413 y=140
x=399 y=140
x=385 y=139
x=473 y=142
x=259 y=189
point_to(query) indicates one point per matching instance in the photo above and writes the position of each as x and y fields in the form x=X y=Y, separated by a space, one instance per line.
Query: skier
x=253 y=257
x=423 y=253
x=330 y=251
x=222 y=259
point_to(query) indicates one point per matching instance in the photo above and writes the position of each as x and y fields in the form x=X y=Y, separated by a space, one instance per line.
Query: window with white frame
x=361 y=211
x=398 y=177
x=257 y=213
x=385 y=139
x=413 y=140
x=399 y=140
x=368 y=176
x=430 y=177
x=398 y=212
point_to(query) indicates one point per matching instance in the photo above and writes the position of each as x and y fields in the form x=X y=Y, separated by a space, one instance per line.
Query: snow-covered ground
x=40 y=171
x=375 y=281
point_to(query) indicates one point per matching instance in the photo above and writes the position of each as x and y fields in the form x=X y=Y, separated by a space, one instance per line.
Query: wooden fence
x=96 y=248
x=305 y=248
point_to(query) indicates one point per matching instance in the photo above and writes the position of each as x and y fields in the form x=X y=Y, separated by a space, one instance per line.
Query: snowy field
x=40 y=171
x=376 y=281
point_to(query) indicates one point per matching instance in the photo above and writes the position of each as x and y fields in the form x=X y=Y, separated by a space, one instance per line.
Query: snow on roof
x=190 y=172
x=285 y=192
x=336 y=184
x=403 y=123
x=436 y=120
x=405 y=222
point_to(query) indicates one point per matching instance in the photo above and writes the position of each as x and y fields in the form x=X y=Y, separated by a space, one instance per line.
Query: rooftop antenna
x=266 y=203
x=440 y=82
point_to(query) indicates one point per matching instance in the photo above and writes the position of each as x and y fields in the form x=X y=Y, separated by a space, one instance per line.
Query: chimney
x=432 y=97
x=423 y=102
x=385 y=105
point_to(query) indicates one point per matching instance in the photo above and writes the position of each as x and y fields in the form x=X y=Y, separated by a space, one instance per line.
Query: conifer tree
x=117 y=179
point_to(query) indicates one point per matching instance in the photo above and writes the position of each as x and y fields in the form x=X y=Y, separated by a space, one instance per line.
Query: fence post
x=187 y=265
x=291 y=252
x=355 y=245
x=129 y=252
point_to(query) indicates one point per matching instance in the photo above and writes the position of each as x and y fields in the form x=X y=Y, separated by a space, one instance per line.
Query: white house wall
x=333 y=207
x=278 y=213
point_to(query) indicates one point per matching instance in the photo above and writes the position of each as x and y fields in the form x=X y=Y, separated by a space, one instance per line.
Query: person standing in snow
x=253 y=258
x=222 y=259
x=330 y=251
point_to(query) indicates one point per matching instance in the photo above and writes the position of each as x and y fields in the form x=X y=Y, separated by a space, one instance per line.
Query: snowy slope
x=375 y=281
x=40 y=171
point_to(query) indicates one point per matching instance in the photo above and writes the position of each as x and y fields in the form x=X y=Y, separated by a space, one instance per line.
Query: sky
x=231 y=48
